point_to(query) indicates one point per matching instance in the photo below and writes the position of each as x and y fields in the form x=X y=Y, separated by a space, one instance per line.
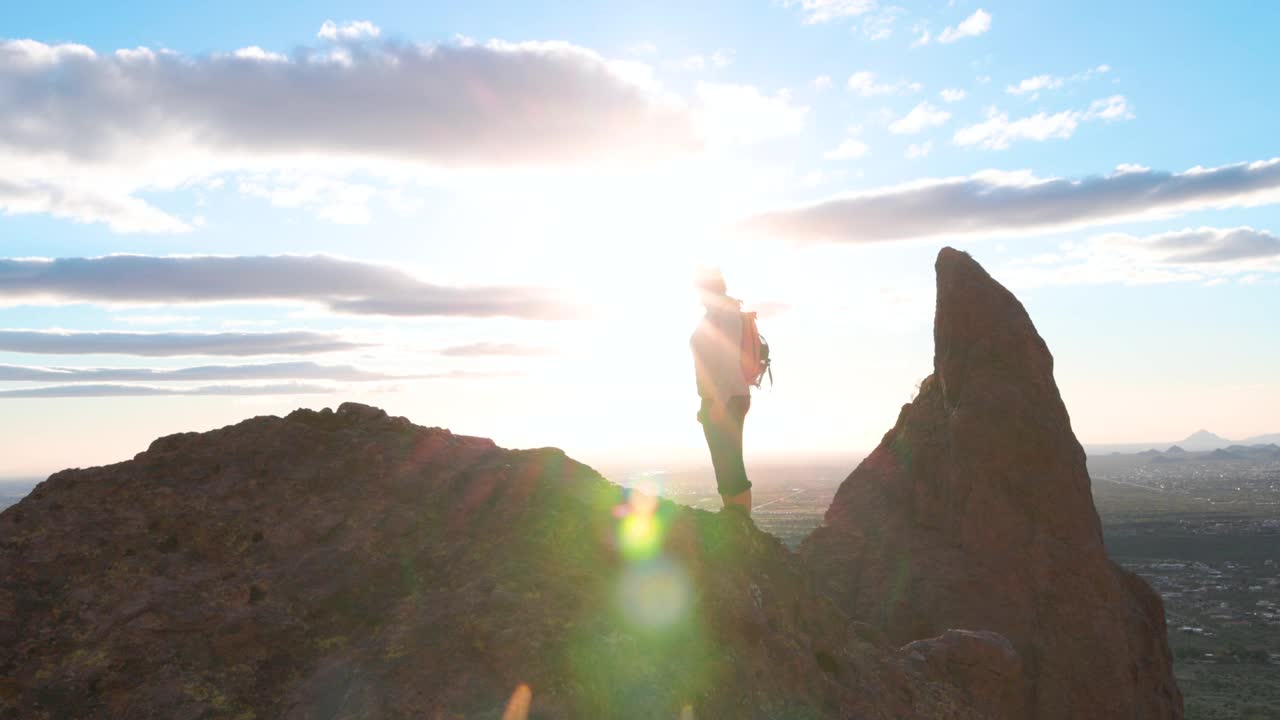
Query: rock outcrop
x=975 y=512
x=352 y=565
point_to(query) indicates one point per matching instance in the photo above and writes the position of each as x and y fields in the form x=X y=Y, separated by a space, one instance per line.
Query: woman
x=726 y=396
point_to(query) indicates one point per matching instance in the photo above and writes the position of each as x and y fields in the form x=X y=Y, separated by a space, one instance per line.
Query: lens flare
x=518 y=706
x=654 y=594
x=640 y=526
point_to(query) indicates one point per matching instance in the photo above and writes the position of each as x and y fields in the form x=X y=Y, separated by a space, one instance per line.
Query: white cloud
x=850 y=149
x=342 y=286
x=170 y=344
x=879 y=25
x=915 y=152
x=921 y=117
x=822 y=82
x=83 y=135
x=332 y=199
x=489 y=348
x=1112 y=108
x=864 y=83
x=992 y=203
x=972 y=26
x=741 y=113
x=952 y=94
x=922 y=37
x=820 y=11
x=268 y=371
x=357 y=30
x=1206 y=254
x=253 y=52
x=75 y=199
x=115 y=390
x=998 y=132
x=694 y=62
x=1034 y=84
x=718 y=59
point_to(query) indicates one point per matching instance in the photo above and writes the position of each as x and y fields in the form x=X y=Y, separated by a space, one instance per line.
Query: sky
x=486 y=216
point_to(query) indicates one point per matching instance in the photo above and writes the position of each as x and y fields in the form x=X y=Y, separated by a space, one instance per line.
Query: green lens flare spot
x=655 y=594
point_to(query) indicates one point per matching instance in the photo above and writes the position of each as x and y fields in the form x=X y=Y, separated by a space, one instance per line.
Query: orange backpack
x=755 y=352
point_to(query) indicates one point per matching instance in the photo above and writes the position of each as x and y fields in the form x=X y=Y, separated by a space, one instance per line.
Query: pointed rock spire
x=976 y=512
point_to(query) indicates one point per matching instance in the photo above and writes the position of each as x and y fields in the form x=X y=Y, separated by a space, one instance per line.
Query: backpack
x=755 y=352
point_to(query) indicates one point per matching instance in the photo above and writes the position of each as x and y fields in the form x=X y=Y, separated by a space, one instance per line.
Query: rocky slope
x=352 y=565
x=975 y=512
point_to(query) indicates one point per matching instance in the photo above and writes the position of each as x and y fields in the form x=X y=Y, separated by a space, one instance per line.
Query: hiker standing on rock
x=729 y=357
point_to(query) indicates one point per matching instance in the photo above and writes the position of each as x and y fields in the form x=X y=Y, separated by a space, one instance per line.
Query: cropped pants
x=723 y=431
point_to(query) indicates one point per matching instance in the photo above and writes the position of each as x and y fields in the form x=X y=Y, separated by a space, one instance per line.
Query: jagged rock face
x=975 y=512
x=349 y=564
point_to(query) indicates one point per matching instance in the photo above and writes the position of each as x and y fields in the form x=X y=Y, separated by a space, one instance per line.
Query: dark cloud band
x=344 y=286
x=111 y=390
x=997 y=204
x=203 y=373
x=170 y=344
x=467 y=103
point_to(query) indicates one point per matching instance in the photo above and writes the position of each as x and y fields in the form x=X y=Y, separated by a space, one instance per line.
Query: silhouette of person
x=725 y=394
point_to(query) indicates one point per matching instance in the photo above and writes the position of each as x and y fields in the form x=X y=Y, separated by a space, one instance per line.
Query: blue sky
x=514 y=195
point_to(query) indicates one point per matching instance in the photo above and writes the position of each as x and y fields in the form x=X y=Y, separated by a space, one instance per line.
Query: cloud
x=864 y=83
x=52 y=342
x=357 y=30
x=850 y=149
x=21 y=196
x=1034 y=84
x=822 y=82
x=718 y=60
x=741 y=113
x=1212 y=245
x=879 y=25
x=1206 y=254
x=994 y=203
x=915 y=152
x=343 y=286
x=83 y=134
x=820 y=11
x=998 y=132
x=921 y=117
x=488 y=348
x=972 y=26
x=204 y=373
x=113 y=390
x=952 y=94
x=332 y=199
x=922 y=37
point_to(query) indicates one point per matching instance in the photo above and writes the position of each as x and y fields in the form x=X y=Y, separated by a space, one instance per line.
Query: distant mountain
x=1273 y=438
x=1202 y=440
x=1175 y=450
x=1198 y=442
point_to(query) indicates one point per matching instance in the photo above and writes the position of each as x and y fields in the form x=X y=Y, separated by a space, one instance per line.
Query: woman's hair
x=709 y=280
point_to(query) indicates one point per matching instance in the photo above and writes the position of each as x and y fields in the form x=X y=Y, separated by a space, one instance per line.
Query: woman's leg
x=724 y=438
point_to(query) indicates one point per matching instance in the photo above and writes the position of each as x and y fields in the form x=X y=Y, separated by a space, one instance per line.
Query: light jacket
x=717 y=352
